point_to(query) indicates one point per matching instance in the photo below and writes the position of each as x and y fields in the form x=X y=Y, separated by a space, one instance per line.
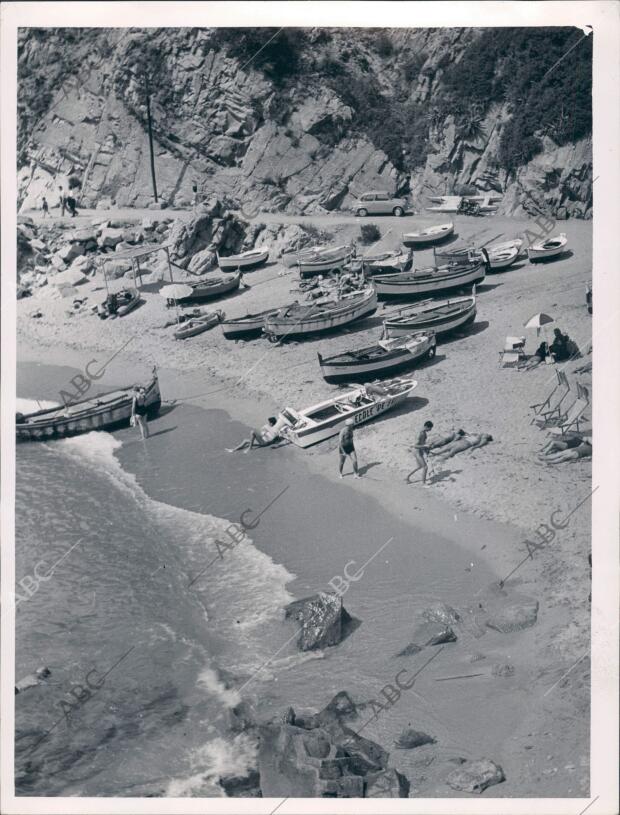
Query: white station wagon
x=379 y=202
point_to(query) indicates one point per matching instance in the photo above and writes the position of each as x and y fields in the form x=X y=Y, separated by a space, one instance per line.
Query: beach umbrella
x=176 y=291
x=538 y=321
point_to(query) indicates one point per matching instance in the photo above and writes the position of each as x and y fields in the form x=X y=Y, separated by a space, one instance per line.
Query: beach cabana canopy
x=134 y=254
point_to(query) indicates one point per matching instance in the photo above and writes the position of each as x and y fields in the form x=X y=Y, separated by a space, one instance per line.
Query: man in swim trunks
x=346 y=447
x=419 y=449
x=139 y=411
x=570 y=441
x=267 y=435
x=584 y=450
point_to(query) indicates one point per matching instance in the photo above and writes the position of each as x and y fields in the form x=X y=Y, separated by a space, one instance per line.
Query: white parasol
x=538 y=321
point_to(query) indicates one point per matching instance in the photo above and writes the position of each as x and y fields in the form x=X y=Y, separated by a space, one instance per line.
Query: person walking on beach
x=45 y=206
x=346 y=447
x=62 y=201
x=139 y=411
x=420 y=448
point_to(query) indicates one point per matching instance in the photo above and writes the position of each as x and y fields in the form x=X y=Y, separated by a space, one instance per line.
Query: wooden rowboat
x=196 y=325
x=119 y=303
x=299 y=320
x=547 y=248
x=502 y=258
x=104 y=412
x=326 y=419
x=243 y=261
x=243 y=328
x=440 y=316
x=384 y=357
x=431 y=234
x=210 y=287
x=431 y=280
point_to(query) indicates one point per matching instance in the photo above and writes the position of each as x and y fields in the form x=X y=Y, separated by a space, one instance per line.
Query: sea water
x=120 y=587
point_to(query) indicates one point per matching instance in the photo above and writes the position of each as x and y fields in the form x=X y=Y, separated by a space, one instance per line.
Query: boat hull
x=99 y=417
x=322 y=266
x=441 y=326
x=279 y=325
x=545 y=252
x=309 y=436
x=359 y=371
x=241 y=263
x=196 y=326
x=421 y=239
x=245 y=327
x=202 y=293
x=408 y=285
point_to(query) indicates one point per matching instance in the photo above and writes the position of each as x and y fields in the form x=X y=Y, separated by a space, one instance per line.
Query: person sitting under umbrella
x=559 y=346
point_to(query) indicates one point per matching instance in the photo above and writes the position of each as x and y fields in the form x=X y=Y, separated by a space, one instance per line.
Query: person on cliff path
x=45 y=206
x=62 y=201
x=420 y=448
x=346 y=447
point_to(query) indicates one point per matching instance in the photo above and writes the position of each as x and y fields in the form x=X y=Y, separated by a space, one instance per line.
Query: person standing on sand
x=62 y=201
x=420 y=448
x=139 y=411
x=346 y=447
x=45 y=206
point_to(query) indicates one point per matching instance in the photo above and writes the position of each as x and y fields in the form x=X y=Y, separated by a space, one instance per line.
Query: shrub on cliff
x=370 y=233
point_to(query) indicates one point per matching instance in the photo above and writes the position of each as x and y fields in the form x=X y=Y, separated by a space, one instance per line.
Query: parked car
x=379 y=202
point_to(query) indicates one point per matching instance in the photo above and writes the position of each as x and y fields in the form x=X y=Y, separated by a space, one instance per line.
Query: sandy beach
x=482 y=505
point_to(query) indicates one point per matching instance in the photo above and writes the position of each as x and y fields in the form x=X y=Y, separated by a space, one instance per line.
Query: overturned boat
x=386 y=356
x=439 y=316
x=103 y=412
x=326 y=419
x=301 y=319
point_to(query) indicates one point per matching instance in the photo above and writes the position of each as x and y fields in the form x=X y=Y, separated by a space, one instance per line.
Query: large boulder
x=241 y=786
x=388 y=783
x=323 y=620
x=441 y=613
x=110 y=237
x=476 y=776
x=116 y=268
x=70 y=251
x=409 y=739
x=86 y=234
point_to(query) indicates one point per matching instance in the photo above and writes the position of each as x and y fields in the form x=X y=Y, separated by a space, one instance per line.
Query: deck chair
x=551 y=406
x=513 y=352
x=572 y=418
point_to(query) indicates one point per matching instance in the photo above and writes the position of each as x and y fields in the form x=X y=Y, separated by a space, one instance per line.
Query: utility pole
x=148 y=119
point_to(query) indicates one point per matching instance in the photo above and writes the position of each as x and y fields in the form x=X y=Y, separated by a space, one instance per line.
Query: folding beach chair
x=513 y=352
x=551 y=407
x=560 y=425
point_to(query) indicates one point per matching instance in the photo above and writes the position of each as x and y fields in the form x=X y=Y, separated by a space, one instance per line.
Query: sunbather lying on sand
x=584 y=450
x=466 y=442
x=443 y=440
x=570 y=441
x=539 y=355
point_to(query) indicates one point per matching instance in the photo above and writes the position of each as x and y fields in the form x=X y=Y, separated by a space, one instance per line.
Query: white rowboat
x=326 y=419
x=548 y=248
x=431 y=234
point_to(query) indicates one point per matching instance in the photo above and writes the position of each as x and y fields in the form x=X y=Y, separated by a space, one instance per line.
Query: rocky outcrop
x=428 y=634
x=295 y=143
x=323 y=620
x=514 y=617
x=321 y=757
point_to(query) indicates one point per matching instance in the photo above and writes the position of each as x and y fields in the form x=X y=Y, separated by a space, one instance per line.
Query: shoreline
x=423 y=510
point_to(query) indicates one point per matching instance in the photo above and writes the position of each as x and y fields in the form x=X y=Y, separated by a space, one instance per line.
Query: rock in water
x=322 y=619
x=428 y=633
x=411 y=738
x=514 y=617
x=476 y=776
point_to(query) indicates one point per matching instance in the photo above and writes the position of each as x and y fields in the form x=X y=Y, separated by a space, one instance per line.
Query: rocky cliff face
x=303 y=125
